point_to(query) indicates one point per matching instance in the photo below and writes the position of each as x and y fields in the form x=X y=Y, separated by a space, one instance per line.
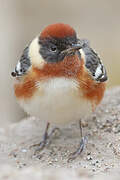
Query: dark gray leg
x=82 y=145
x=46 y=138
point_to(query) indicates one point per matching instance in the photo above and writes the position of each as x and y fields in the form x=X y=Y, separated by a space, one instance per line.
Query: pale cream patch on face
x=36 y=58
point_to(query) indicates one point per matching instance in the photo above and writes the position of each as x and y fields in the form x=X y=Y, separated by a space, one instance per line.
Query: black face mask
x=52 y=48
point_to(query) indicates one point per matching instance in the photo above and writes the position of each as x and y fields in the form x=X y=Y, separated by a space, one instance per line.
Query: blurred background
x=22 y=20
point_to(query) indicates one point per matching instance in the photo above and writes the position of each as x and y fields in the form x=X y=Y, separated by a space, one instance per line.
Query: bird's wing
x=23 y=64
x=93 y=62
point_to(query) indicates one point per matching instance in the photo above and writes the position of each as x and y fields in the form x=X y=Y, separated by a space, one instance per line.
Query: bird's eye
x=53 y=49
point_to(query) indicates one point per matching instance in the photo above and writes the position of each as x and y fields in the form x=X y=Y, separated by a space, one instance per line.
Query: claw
x=82 y=146
x=46 y=139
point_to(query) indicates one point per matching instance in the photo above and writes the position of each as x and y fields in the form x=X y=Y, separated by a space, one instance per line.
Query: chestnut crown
x=56 y=40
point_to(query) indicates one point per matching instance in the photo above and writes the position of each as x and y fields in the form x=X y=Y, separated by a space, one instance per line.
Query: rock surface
x=100 y=159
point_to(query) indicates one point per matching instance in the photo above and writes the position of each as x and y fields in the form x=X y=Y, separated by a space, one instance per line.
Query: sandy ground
x=100 y=159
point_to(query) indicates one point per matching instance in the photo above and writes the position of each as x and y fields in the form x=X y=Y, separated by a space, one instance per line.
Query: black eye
x=53 y=48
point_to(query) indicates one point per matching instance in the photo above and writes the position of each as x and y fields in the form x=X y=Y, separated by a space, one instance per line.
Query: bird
x=59 y=78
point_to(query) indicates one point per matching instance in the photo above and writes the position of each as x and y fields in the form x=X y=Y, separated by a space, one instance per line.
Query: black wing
x=23 y=64
x=93 y=62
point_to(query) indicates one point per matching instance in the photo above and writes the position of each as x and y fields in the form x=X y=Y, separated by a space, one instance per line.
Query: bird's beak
x=71 y=49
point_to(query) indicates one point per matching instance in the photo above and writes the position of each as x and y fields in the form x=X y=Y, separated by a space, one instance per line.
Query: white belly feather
x=58 y=100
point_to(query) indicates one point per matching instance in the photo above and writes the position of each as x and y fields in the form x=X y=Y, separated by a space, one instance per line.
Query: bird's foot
x=47 y=138
x=80 y=149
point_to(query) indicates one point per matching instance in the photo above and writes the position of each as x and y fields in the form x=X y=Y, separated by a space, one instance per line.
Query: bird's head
x=55 y=42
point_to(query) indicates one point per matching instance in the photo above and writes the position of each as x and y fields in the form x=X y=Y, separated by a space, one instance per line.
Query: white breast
x=58 y=100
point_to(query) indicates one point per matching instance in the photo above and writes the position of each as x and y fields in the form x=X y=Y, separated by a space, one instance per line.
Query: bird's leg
x=46 y=138
x=82 y=145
